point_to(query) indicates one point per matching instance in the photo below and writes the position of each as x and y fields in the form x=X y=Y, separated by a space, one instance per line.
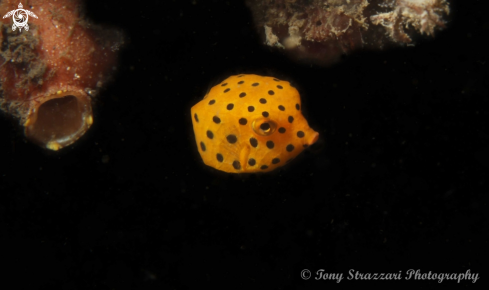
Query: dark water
x=397 y=181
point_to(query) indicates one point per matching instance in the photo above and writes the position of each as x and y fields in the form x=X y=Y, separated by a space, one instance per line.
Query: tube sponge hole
x=59 y=121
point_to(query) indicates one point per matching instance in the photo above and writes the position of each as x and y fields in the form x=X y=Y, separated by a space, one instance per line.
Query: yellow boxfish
x=250 y=123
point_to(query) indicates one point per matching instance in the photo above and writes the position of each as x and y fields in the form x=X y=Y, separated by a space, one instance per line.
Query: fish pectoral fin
x=243 y=155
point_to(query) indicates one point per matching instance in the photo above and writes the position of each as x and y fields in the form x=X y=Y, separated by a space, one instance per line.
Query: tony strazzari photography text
x=410 y=274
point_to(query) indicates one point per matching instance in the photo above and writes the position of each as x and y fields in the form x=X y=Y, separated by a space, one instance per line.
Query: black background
x=397 y=181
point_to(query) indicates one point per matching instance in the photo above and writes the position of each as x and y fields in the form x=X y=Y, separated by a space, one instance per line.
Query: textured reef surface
x=51 y=68
x=322 y=31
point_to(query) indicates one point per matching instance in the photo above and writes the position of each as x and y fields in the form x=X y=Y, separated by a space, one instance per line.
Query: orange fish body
x=250 y=123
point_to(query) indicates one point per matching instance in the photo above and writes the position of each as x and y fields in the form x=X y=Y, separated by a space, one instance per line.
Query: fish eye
x=264 y=126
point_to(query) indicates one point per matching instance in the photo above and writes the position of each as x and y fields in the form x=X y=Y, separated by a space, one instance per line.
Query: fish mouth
x=314 y=137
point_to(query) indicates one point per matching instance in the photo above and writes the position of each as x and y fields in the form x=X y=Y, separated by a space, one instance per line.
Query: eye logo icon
x=20 y=17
